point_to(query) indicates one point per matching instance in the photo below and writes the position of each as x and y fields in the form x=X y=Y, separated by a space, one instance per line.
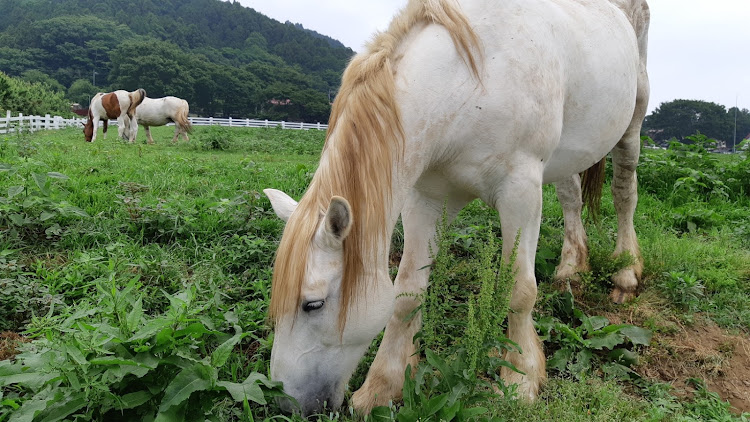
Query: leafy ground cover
x=134 y=281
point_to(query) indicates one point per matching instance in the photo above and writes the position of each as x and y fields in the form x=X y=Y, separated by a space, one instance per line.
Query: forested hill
x=223 y=57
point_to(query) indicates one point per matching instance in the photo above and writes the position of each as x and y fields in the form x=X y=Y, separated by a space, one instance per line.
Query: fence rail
x=10 y=124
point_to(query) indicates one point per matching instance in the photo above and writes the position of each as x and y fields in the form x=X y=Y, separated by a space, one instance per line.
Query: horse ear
x=338 y=218
x=282 y=204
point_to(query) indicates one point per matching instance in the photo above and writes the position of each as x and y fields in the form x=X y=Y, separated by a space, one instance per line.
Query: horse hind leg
x=149 y=139
x=385 y=378
x=625 y=195
x=574 y=255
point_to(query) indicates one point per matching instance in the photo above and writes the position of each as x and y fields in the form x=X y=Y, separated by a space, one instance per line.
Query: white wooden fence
x=9 y=124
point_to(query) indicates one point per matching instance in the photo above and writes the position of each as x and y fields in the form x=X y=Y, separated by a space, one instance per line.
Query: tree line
x=680 y=119
x=225 y=59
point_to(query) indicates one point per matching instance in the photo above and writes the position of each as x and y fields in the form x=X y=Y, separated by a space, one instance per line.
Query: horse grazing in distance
x=159 y=112
x=456 y=100
x=118 y=105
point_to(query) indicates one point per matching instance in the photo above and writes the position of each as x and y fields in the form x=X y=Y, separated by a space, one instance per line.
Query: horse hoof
x=620 y=296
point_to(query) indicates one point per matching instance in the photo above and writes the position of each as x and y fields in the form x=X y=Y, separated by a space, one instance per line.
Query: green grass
x=193 y=216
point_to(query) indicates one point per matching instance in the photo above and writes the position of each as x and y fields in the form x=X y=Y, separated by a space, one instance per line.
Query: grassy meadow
x=134 y=281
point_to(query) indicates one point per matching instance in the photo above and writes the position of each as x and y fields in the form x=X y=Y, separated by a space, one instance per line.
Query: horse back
x=558 y=84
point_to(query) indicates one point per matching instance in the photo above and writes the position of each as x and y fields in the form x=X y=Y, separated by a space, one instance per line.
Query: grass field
x=134 y=281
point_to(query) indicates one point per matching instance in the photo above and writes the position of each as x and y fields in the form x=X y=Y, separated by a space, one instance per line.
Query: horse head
x=88 y=127
x=313 y=355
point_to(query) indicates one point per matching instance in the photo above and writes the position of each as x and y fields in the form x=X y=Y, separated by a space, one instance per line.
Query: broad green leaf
x=56 y=175
x=10 y=403
x=190 y=380
x=111 y=360
x=41 y=182
x=435 y=404
x=32 y=380
x=150 y=329
x=46 y=215
x=598 y=322
x=64 y=408
x=14 y=190
x=441 y=366
x=135 y=316
x=246 y=390
x=607 y=341
x=624 y=356
x=448 y=413
x=29 y=409
x=129 y=401
x=637 y=335
x=76 y=211
x=75 y=354
x=5 y=167
x=221 y=354
x=165 y=336
x=381 y=413
x=17 y=219
x=471 y=413
x=174 y=414
x=196 y=330
x=560 y=359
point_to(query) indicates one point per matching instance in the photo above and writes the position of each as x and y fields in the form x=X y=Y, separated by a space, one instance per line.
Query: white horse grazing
x=159 y=112
x=456 y=100
x=118 y=105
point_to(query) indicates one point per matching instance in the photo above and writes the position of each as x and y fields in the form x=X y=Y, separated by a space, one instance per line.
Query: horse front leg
x=519 y=202
x=95 y=122
x=385 y=378
x=574 y=255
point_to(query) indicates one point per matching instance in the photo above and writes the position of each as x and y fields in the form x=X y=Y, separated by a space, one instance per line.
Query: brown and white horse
x=118 y=105
x=457 y=100
x=159 y=112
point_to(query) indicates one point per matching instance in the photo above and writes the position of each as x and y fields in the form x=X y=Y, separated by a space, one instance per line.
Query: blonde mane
x=365 y=139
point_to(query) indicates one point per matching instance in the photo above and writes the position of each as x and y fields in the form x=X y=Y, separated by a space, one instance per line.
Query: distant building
x=276 y=102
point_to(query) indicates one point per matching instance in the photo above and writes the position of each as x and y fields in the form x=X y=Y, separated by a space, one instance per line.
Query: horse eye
x=312 y=306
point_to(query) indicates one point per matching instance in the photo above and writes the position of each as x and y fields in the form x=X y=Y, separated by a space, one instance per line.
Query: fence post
x=266 y=121
x=20 y=122
x=47 y=124
x=7 y=121
x=230 y=121
x=283 y=124
x=211 y=121
x=247 y=122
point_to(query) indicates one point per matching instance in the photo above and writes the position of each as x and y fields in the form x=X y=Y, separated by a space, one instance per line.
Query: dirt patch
x=703 y=351
x=9 y=342
x=680 y=351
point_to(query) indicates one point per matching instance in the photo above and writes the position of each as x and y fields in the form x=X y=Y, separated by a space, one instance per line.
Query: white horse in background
x=161 y=111
x=118 y=105
x=458 y=99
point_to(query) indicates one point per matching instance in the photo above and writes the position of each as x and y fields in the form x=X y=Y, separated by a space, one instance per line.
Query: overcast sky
x=698 y=49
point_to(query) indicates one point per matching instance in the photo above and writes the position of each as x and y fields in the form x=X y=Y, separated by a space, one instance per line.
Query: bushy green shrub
x=20 y=96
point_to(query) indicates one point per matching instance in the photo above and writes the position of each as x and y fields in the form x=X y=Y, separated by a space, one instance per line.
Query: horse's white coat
x=159 y=112
x=558 y=91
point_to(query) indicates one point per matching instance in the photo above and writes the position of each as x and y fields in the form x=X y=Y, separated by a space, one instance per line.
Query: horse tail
x=136 y=98
x=592 y=183
x=182 y=118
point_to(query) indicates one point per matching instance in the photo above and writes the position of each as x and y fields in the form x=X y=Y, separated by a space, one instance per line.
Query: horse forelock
x=364 y=142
